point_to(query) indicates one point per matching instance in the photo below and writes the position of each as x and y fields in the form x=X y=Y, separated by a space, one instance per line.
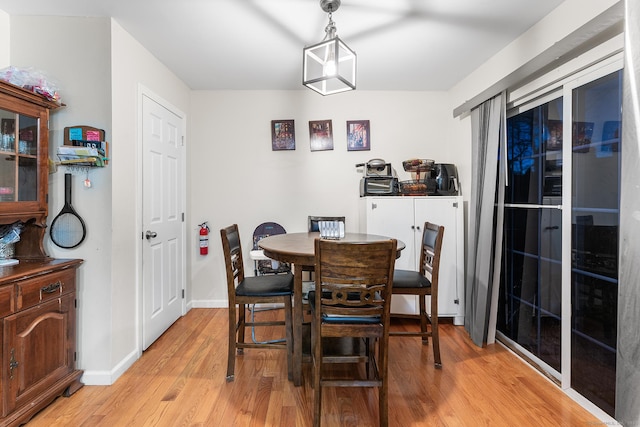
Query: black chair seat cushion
x=334 y=318
x=266 y=286
x=410 y=279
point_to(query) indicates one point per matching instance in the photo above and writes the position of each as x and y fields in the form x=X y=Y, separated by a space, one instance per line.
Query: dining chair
x=245 y=291
x=350 y=310
x=423 y=283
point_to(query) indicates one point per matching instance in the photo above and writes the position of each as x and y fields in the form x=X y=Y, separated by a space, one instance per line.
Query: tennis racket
x=67 y=229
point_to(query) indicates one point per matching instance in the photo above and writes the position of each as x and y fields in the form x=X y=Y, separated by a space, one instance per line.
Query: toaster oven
x=378 y=186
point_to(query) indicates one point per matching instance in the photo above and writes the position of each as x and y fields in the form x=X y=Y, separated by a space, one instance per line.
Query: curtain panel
x=628 y=357
x=486 y=130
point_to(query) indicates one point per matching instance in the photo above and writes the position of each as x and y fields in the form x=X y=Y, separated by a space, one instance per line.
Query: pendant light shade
x=329 y=66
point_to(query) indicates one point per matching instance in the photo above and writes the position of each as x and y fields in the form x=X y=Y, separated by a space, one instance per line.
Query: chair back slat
x=232 y=256
x=430 y=254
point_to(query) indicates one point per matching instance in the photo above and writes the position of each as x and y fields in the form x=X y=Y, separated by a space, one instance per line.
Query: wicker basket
x=413 y=188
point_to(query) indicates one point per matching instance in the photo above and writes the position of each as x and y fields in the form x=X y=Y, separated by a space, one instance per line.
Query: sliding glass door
x=558 y=291
x=595 y=201
x=530 y=292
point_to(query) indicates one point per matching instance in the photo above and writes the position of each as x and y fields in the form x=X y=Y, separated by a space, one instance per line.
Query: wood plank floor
x=180 y=381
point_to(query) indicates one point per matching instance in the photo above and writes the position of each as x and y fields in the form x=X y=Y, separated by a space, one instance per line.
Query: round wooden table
x=298 y=249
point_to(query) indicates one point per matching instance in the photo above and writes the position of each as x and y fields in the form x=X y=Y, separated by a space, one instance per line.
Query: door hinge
x=183 y=294
x=456 y=301
x=182 y=138
x=455 y=204
x=182 y=216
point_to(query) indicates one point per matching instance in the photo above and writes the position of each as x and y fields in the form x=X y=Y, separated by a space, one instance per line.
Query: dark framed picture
x=283 y=135
x=554 y=140
x=358 y=135
x=582 y=133
x=320 y=135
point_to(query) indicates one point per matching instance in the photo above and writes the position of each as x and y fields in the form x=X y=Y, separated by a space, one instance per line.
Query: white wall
x=99 y=74
x=237 y=178
x=81 y=68
x=544 y=43
x=131 y=66
x=5 y=27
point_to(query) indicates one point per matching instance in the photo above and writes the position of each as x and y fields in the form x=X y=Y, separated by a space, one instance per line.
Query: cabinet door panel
x=393 y=217
x=38 y=342
x=442 y=211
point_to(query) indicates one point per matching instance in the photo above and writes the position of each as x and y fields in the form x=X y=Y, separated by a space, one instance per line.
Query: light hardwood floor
x=180 y=381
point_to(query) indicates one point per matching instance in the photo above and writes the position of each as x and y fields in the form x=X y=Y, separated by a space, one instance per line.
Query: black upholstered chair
x=244 y=291
x=350 y=305
x=422 y=283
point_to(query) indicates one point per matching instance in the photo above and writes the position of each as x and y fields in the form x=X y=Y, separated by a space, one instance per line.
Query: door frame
x=144 y=91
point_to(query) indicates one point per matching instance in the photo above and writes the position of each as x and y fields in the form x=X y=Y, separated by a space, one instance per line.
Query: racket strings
x=67 y=230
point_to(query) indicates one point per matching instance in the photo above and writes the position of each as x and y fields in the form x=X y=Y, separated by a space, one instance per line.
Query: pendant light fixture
x=329 y=67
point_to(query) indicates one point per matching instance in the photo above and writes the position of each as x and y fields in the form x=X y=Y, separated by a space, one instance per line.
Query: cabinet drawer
x=6 y=300
x=40 y=289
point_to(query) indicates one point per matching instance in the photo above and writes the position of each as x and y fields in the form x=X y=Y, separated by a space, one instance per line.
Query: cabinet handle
x=49 y=289
x=13 y=363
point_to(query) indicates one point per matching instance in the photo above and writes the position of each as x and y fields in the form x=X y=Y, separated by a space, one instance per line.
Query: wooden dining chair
x=245 y=291
x=350 y=312
x=423 y=283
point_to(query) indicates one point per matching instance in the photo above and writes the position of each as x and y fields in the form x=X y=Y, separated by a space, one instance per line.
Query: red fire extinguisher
x=204 y=238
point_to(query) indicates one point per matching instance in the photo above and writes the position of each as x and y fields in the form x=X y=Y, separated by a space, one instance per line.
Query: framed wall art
x=320 y=135
x=358 y=135
x=283 y=135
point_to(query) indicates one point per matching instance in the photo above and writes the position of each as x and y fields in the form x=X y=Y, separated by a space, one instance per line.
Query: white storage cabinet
x=403 y=218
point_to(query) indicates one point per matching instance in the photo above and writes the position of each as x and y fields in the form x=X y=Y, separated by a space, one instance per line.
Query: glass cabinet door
x=19 y=155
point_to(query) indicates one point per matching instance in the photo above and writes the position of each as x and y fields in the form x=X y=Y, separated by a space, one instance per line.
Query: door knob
x=150 y=234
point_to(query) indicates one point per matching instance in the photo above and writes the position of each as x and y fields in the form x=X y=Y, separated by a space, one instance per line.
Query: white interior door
x=162 y=219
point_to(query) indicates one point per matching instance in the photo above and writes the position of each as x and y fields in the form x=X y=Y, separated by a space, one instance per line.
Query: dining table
x=298 y=249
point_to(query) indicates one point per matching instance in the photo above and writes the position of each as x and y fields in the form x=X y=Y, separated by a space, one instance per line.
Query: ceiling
x=257 y=44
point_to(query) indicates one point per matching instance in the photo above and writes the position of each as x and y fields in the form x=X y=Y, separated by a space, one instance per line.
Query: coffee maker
x=446 y=179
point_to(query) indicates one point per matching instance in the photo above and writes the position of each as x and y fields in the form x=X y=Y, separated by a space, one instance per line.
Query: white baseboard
x=109 y=377
x=209 y=303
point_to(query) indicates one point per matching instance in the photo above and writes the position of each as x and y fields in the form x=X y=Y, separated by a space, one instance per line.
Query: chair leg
x=288 y=320
x=317 y=371
x=241 y=324
x=231 y=354
x=371 y=351
x=435 y=336
x=423 y=319
x=383 y=392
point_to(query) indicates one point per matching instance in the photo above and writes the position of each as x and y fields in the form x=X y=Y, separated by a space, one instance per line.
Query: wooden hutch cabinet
x=38 y=294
